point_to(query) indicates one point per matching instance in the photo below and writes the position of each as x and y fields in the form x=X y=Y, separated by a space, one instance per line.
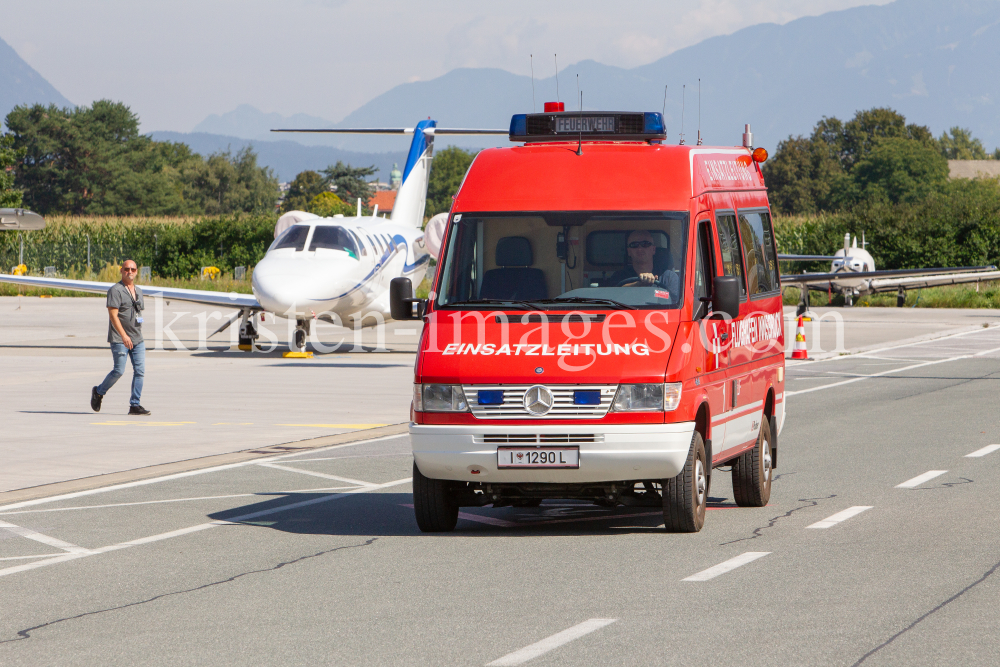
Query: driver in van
x=646 y=269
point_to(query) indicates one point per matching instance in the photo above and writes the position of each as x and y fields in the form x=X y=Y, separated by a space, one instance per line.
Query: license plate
x=538 y=457
x=585 y=124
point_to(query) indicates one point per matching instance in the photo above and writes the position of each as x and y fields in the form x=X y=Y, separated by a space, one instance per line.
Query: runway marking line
x=874 y=375
x=542 y=647
x=187 y=473
x=233 y=521
x=843 y=515
x=44 y=539
x=866 y=353
x=920 y=479
x=31 y=557
x=356 y=482
x=988 y=449
x=727 y=566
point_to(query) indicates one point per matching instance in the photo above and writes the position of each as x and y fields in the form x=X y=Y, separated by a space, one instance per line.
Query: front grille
x=534 y=439
x=562 y=406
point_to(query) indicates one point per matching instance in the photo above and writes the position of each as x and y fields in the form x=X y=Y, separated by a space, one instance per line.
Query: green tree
x=901 y=171
x=227 y=183
x=326 y=205
x=90 y=160
x=9 y=196
x=349 y=182
x=810 y=175
x=447 y=171
x=959 y=144
x=302 y=190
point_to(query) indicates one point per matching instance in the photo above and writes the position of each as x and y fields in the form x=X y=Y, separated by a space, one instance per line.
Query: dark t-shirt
x=129 y=312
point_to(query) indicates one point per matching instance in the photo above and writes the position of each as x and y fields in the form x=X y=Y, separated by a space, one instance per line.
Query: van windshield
x=565 y=259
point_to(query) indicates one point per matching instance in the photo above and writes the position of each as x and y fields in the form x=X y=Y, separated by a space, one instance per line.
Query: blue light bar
x=490 y=397
x=590 y=125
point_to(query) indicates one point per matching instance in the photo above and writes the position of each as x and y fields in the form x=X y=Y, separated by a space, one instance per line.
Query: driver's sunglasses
x=640 y=244
x=128 y=270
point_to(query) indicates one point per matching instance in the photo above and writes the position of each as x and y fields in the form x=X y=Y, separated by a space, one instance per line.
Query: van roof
x=608 y=176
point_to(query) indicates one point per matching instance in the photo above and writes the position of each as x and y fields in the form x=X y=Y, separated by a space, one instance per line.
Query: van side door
x=714 y=353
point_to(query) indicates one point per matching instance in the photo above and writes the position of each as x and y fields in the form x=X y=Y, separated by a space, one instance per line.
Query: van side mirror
x=401 y=300
x=726 y=296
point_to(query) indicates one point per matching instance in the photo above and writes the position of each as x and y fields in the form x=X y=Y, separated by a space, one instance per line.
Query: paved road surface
x=880 y=547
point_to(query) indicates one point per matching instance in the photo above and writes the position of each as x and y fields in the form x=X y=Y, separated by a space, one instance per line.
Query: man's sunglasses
x=640 y=244
x=128 y=270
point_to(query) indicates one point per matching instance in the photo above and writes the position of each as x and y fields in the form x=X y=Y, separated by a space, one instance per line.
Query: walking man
x=125 y=307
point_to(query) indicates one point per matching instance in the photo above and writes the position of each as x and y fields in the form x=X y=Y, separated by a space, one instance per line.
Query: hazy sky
x=176 y=62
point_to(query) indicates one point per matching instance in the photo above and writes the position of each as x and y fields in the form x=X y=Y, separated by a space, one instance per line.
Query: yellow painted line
x=335 y=425
x=233 y=424
x=139 y=422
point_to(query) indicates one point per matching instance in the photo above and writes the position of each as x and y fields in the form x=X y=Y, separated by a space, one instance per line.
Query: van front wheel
x=686 y=495
x=434 y=503
x=752 y=471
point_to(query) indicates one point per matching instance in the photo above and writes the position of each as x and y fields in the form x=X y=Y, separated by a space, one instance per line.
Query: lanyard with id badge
x=136 y=305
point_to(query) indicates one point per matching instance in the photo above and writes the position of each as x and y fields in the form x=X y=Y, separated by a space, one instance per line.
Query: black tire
x=528 y=502
x=686 y=495
x=434 y=503
x=752 y=471
x=299 y=339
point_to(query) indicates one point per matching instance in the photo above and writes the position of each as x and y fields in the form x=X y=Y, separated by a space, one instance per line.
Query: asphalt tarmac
x=880 y=547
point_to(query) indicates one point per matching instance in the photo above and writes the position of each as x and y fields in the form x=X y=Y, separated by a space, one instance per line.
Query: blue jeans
x=138 y=356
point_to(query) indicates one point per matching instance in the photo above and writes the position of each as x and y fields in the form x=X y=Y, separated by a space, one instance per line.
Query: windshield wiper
x=526 y=304
x=589 y=299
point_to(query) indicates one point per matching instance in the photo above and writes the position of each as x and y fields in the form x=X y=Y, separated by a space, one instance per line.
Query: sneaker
x=138 y=410
x=95 y=400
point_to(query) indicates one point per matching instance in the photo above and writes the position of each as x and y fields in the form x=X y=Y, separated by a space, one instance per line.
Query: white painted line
x=335 y=478
x=979 y=354
x=189 y=473
x=726 y=566
x=549 y=643
x=988 y=449
x=840 y=516
x=44 y=539
x=874 y=375
x=199 y=527
x=866 y=353
x=920 y=479
x=31 y=557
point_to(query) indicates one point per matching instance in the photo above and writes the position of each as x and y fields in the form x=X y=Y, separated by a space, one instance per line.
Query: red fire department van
x=605 y=324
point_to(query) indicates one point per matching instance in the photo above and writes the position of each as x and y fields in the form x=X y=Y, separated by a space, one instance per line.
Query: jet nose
x=301 y=289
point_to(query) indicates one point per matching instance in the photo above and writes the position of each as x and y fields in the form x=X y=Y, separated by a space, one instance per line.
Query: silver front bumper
x=607 y=452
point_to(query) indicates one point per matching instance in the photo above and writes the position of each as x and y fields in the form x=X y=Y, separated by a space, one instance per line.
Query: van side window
x=704 y=269
x=758 y=246
x=729 y=246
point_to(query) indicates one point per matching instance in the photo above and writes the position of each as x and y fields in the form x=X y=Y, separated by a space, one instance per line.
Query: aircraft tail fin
x=411 y=199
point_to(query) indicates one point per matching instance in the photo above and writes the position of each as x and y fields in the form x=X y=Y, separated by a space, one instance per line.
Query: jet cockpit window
x=333 y=238
x=294 y=237
x=360 y=243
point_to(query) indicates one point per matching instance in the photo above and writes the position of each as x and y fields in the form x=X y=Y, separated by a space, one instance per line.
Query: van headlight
x=647 y=397
x=439 y=398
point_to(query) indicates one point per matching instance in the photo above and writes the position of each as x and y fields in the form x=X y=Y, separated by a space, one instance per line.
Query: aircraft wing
x=808 y=278
x=806 y=258
x=21 y=219
x=401 y=130
x=893 y=284
x=205 y=297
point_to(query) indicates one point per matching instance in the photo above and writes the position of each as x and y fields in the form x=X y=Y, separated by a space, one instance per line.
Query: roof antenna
x=683 y=91
x=579 y=146
x=699 y=112
x=532 y=61
x=664 y=111
x=555 y=56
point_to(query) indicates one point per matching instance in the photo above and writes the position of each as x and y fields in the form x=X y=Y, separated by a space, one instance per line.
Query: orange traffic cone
x=799 y=351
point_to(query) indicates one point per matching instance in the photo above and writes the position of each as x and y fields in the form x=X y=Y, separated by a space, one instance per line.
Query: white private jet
x=336 y=269
x=852 y=273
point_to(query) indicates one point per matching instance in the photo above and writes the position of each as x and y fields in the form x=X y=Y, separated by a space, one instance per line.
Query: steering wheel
x=634 y=281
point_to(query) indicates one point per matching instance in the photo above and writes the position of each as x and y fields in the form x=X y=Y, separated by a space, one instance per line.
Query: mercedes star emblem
x=538 y=400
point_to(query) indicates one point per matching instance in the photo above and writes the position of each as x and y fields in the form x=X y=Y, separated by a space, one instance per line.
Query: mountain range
x=927 y=59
